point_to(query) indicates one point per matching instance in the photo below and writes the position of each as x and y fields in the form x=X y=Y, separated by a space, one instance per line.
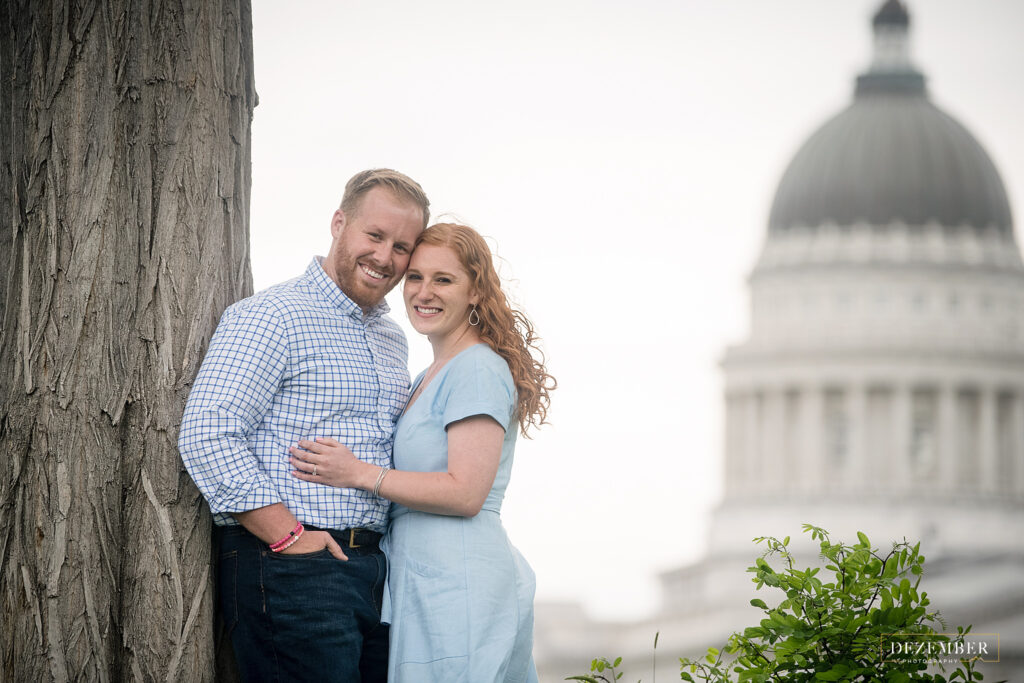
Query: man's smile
x=375 y=274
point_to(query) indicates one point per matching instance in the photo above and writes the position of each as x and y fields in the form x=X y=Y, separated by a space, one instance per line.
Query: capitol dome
x=891 y=156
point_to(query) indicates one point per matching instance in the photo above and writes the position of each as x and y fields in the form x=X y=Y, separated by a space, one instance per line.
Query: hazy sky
x=623 y=159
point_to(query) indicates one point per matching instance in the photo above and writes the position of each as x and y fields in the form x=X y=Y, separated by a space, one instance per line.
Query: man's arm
x=232 y=393
x=273 y=523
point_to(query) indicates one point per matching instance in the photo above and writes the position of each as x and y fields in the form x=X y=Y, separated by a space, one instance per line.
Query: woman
x=460 y=595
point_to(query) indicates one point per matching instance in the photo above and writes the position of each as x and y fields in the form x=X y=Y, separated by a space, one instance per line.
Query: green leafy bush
x=601 y=671
x=834 y=625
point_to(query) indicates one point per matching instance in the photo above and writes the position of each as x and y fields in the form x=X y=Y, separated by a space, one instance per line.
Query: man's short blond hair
x=399 y=184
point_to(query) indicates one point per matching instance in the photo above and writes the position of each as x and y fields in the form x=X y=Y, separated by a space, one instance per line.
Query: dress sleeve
x=232 y=393
x=481 y=386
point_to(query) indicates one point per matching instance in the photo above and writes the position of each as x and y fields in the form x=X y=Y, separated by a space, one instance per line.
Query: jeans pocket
x=322 y=553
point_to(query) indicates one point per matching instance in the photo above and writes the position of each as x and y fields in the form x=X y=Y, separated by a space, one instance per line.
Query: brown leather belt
x=351 y=538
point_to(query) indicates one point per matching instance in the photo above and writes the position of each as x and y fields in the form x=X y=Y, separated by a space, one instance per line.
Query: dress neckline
x=414 y=398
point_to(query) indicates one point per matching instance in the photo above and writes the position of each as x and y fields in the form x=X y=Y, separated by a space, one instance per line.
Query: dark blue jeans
x=302 y=617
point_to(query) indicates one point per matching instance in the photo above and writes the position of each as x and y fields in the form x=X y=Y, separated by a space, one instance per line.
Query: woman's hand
x=325 y=461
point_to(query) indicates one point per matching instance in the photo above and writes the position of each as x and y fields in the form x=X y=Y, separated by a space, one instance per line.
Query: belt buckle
x=352 y=539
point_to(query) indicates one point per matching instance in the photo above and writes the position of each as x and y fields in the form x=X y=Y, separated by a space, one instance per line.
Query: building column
x=948 y=439
x=733 y=443
x=772 y=466
x=899 y=468
x=1018 y=442
x=810 y=455
x=792 y=410
x=751 y=442
x=858 y=467
x=988 y=460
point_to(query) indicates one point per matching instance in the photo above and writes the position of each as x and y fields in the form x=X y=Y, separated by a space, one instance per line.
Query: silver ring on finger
x=314 y=470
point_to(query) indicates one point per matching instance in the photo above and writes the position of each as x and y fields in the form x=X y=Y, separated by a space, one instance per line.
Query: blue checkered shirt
x=295 y=361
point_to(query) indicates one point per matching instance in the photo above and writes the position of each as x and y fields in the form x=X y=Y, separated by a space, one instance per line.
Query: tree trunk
x=124 y=191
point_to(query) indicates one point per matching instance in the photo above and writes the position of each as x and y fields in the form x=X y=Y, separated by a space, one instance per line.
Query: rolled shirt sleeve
x=232 y=394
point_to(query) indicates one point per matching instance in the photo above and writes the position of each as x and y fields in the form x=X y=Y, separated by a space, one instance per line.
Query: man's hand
x=271 y=523
x=315 y=541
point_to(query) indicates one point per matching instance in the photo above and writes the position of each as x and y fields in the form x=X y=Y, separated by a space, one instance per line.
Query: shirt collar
x=333 y=294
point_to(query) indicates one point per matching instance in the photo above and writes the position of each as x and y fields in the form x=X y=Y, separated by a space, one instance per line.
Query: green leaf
x=617 y=662
x=862 y=537
x=756 y=602
x=890 y=570
x=686 y=677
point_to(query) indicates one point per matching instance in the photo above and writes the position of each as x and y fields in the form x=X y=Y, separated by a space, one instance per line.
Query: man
x=300 y=574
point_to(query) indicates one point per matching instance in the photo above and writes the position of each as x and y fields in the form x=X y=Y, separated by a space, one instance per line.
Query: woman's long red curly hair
x=504 y=328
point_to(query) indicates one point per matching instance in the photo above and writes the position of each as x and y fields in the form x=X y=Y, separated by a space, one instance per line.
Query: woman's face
x=438 y=296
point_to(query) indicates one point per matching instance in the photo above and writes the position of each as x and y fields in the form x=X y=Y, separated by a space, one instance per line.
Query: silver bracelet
x=380 y=479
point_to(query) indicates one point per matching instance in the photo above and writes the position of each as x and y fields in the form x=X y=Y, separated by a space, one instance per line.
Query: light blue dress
x=460 y=598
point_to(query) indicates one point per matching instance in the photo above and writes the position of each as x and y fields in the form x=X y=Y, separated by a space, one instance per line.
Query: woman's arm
x=474 y=452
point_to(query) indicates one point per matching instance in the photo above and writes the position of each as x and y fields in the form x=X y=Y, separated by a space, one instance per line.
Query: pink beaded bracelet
x=289 y=543
x=292 y=536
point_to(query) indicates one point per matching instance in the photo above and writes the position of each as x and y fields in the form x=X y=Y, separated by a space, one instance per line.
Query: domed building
x=882 y=385
x=883 y=380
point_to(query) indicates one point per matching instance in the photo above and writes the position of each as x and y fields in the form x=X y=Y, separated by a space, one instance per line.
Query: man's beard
x=349 y=274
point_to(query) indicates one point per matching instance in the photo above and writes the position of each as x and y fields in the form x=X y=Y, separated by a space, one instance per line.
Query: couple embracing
x=347 y=499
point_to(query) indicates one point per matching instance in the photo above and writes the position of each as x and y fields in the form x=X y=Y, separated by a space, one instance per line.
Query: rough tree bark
x=124 y=191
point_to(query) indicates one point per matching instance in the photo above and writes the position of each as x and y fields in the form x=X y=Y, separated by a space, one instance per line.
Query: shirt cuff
x=241 y=494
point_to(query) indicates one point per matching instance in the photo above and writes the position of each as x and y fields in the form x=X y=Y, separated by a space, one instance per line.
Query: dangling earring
x=473 y=314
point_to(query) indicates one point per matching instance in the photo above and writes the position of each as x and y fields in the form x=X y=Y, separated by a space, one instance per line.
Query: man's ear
x=338 y=222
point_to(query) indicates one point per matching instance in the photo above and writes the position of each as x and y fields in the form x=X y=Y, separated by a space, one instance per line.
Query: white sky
x=623 y=159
